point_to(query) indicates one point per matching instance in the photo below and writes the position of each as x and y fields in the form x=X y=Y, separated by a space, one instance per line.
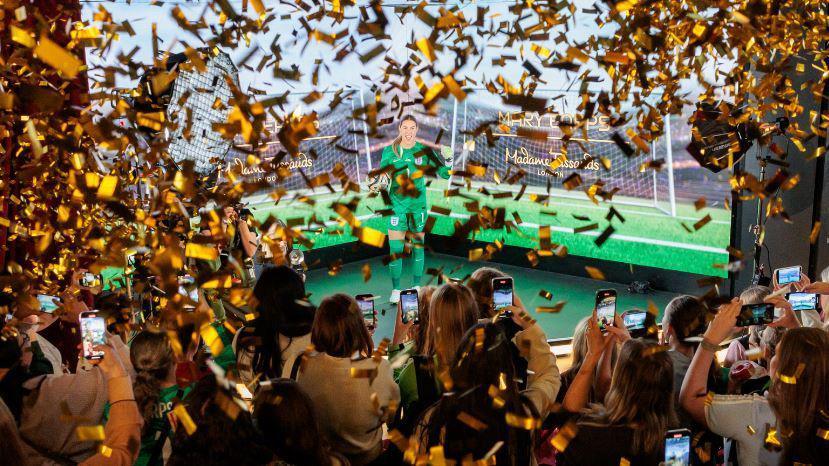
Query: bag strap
x=296 y=365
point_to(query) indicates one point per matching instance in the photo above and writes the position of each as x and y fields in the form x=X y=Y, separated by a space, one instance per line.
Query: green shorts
x=414 y=222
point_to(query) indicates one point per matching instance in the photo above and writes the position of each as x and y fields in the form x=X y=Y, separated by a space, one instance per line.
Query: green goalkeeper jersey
x=412 y=163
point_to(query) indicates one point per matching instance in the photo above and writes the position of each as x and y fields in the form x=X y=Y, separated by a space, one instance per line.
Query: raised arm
x=695 y=385
x=543 y=377
x=578 y=394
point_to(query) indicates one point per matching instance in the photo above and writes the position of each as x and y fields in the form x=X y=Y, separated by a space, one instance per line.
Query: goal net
x=528 y=149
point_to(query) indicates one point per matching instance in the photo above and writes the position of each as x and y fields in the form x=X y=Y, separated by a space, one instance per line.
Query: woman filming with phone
x=402 y=167
x=784 y=427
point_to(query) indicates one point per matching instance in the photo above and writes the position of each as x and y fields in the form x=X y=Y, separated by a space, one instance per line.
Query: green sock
x=418 y=261
x=396 y=265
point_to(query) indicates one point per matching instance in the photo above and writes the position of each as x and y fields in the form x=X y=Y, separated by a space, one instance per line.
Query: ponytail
x=152 y=357
x=395 y=145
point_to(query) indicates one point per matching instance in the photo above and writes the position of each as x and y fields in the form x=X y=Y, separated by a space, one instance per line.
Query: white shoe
x=395 y=296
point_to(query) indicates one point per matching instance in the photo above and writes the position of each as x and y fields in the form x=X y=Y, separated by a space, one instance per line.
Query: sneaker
x=395 y=296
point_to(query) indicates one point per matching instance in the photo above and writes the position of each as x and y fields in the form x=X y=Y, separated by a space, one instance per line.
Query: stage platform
x=579 y=293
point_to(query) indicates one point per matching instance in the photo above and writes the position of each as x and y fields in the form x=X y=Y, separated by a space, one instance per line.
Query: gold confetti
x=181 y=415
x=594 y=273
x=90 y=433
x=57 y=57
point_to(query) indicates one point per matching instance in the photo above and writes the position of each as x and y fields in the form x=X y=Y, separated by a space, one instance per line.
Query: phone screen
x=803 y=301
x=93 y=329
x=755 y=314
x=605 y=308
x=47 y=303
x=501 y=293
x=367 y=308
x=408 y=306
x=788 y=275
x=635 y=320
x=90 y=279
x=678 y=448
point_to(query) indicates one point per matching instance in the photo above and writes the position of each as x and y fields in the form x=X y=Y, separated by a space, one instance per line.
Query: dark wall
x=787 y=242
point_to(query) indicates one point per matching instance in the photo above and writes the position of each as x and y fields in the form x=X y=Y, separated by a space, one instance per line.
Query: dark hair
x=286 y=418
x=483 y=360
x=152 y=357
x=641 y=395
x=686 y=316
x=799 y=396
x=480 y=283
x=339 y=329
x=11 y=385
x=282 y=310
x=224 y=432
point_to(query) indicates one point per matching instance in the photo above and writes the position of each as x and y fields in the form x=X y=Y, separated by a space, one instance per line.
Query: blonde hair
x=452 y=312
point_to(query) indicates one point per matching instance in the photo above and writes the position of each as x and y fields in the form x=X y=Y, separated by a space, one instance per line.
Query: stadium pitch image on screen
x=667 y=211
x=543 y=185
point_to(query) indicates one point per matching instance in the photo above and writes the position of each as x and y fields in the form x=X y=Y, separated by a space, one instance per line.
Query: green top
x=158 y=424
x=410 y=163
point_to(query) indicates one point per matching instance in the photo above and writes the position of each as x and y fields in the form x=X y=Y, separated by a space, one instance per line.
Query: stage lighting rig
x=193 y=91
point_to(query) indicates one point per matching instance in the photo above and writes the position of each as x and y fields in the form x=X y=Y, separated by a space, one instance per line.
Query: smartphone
x=409 y=306
x=803 y=301
x=755 y=314
x=605 y=308
x=48 y=303
x=366 y=303
x=93 y=329
x=90 y=279
x=786 y=275
x=501 y=292
x=678 y=447
x=635 y=322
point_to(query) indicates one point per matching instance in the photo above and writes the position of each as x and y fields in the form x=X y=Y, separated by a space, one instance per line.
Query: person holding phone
x=268 y=345
x=482 y=370
x=637 y=411
x=799 y=372
x=404 y=163
x=682 y=323
x=452 y=311
x=350 y=386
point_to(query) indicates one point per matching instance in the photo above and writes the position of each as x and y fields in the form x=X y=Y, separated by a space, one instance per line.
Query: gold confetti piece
x=206 y=252
x=106 y=189
x=182 y=416
x=700 y=203
x=57 y=57
x=545 y=294
x=521 y=422
x=823 y=433
x=594 y=273
x=751 y=430
x=624 y=461
x=22 y=37
x=90 y=433
x=557 y=307
x=105 y=450
x=425 y=47
x=370 y=236
x=792 y=379
x=471 y=421
x=562 y=439
x=771 y=442
x=212 y=339
x=360 y=373
x=654 y=350
x=813 y=236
